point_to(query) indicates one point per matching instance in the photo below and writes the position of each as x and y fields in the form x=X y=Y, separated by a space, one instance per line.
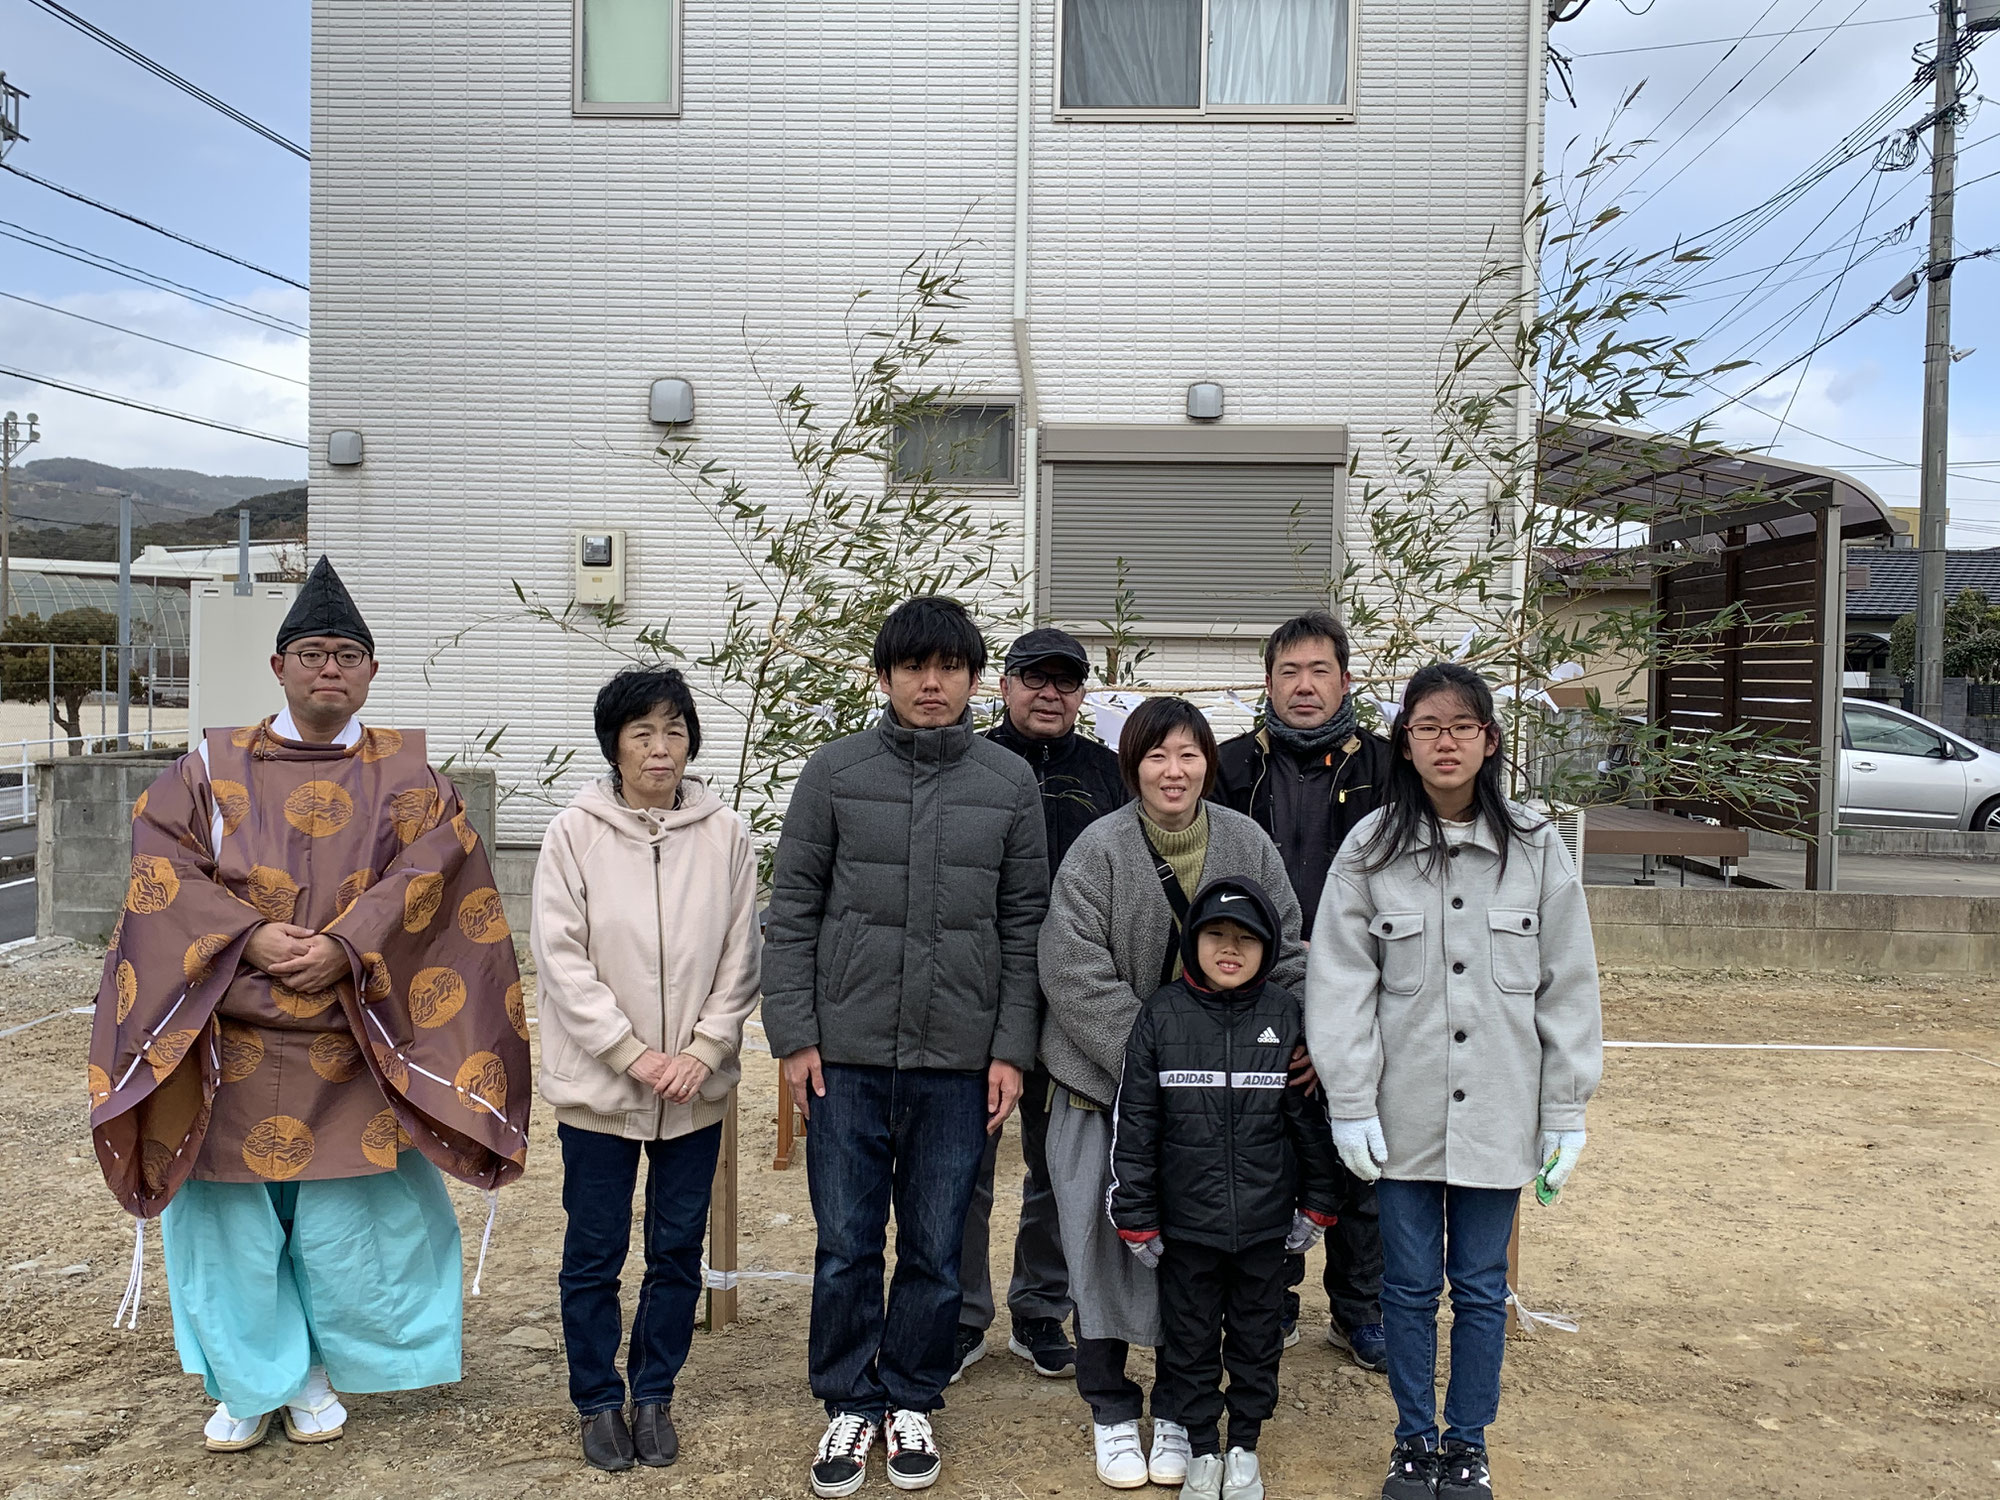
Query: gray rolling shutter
x=1202 y=543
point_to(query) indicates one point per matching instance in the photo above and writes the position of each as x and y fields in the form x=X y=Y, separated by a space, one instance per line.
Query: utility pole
x=12 y=442
x=1937 y=372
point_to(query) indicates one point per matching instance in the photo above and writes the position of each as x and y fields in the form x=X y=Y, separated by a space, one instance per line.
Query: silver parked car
x=1900 y=771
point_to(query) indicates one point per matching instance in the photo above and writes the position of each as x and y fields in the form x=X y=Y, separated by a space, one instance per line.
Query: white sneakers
x=1241 y=1479
x=315 y=1415
x=1168 y=1463
x=1204 y=1478
x=1121 y=1462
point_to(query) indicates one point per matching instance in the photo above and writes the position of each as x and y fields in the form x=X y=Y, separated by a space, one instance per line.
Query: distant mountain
x=80 y=492
x=280 y=515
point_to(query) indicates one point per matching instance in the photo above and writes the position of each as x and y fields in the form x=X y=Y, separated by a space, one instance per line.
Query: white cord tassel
x=136 y=1282
x=486 y=1239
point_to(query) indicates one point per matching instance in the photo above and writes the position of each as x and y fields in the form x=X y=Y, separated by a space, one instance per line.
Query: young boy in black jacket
x=1218 y=1171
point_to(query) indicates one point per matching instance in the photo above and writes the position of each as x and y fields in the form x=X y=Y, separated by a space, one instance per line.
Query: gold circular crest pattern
x=156 y=1164
x=167 y=1051
x=279 y=1148
x=274 y=893
x=414 y=812
x=381 y=1138
x=139 y=805
x=154 y=885
x=335 y=1056
x=380 y=744
x=232 y=800
x=126 y=978
x=436 y=995
x=242 y=1051
x=199 y=960
x=421 y=899
x=376 y=983
x=99 y=1083
x=319 y=808
x=517 y=1010
x=301 y=1005
x=467 y=839
x=482 y=918
x=481 y=1076
x=352 y=887
x=393 y=1069
x=245 y=737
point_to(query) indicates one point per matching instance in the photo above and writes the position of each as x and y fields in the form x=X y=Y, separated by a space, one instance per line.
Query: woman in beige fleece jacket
x=645 y=934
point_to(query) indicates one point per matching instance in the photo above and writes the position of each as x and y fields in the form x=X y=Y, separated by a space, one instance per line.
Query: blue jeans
x=1417 y=1256
x=599 y=1173
x=914 y=1138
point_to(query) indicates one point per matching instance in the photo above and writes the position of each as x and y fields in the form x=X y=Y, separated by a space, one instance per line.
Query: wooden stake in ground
x=722 y=1222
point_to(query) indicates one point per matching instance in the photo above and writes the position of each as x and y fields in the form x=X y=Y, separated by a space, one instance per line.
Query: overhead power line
x=248 y=265
x=1755 y=36
x=161 y=71
x=158 y=411
x=159 y=283
x=150 y=338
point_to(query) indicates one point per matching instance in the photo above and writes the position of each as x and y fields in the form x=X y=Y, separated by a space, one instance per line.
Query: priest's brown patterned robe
x=203 y=1066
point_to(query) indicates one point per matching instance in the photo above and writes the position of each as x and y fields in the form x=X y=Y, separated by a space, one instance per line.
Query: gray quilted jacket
x=911 y=881
x=1462 y=1009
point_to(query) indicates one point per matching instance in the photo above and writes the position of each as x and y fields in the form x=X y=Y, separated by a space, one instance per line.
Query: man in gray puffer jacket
x=899 y=989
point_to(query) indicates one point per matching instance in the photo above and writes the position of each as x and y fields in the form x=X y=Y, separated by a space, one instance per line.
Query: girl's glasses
x=1429 y=732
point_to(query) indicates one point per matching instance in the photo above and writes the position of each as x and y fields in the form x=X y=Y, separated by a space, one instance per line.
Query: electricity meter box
x=600 y=567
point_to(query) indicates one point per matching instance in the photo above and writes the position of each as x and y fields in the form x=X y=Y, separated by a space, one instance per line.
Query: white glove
x=1305 y=1232
x=1148 y=1251
x=1565 y=1146
x=1362 y=1149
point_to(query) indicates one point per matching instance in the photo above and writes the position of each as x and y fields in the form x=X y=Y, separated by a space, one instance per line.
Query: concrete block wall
x=1813 y=931
x=83 y=835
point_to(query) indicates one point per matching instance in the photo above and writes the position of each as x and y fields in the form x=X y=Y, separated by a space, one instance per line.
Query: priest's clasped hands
x=297 y=957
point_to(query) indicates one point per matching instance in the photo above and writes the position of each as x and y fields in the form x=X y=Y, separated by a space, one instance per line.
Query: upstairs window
x=627 y=57
x=1227 y=59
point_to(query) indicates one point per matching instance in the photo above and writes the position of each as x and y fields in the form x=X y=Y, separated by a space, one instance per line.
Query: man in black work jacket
x=1041 y=688
x=1307 y=774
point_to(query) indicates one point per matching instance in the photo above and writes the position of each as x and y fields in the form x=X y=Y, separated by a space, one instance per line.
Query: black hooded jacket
x=1079 y=780
x=1209 y=1145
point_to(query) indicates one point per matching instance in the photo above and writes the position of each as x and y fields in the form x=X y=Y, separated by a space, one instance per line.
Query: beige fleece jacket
x=645 y=933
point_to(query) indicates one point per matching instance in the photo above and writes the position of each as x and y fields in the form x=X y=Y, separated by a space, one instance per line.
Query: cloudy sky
x=1740 y=98
x=1768 y=91
x=101 y=126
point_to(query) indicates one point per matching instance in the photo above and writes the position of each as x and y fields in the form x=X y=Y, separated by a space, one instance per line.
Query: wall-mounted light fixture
x=671 y=403
x=343 y=447
x=1204 y=401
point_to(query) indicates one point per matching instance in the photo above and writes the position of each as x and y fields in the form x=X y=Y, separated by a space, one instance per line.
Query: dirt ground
x=1782 y=1267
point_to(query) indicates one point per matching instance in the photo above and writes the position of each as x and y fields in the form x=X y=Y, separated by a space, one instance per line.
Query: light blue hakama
x=360 y=1274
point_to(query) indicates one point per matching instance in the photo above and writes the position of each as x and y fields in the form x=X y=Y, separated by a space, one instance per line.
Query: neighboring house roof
x=1891 y=590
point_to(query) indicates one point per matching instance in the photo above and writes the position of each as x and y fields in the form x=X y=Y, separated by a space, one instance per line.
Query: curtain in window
x=1131 y=54
x=628 y=51
x=968 y=444
x=1278 y=52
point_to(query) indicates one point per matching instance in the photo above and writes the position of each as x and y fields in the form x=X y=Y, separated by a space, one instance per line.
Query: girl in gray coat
x=1452 y=1013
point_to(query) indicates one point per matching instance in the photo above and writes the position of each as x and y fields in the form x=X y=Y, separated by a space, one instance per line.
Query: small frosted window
x=628 y=52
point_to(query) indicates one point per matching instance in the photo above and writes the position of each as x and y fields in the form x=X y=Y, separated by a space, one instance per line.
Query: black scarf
x=1305 y=744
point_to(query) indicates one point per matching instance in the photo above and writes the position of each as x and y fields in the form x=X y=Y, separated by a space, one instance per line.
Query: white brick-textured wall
x=495 y=284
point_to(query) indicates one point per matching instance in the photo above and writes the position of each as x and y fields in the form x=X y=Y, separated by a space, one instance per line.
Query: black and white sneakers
x=969 y=1351
x=1042 y=1343
x=1462 y=1473
x=1413 y=1472
x=841 y=1466
x=913 y=1451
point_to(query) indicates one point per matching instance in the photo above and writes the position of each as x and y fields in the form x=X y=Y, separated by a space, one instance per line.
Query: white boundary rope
x=1797 y=1047
x=74 y=1010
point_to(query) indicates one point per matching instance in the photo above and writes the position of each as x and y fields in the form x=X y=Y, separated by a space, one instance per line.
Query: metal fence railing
x=18 y=757
x=77 y=688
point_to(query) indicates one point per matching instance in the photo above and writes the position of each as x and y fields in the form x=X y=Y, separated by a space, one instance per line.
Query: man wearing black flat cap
x=1042 y=690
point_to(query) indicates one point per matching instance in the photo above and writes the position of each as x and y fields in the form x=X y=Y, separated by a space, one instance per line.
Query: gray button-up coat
x=1462 y=1007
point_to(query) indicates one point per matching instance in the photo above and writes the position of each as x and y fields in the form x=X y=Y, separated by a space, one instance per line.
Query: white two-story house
x=527 y=212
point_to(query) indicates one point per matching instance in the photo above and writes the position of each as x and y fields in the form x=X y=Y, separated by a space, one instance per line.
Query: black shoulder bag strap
x=1177 y=899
